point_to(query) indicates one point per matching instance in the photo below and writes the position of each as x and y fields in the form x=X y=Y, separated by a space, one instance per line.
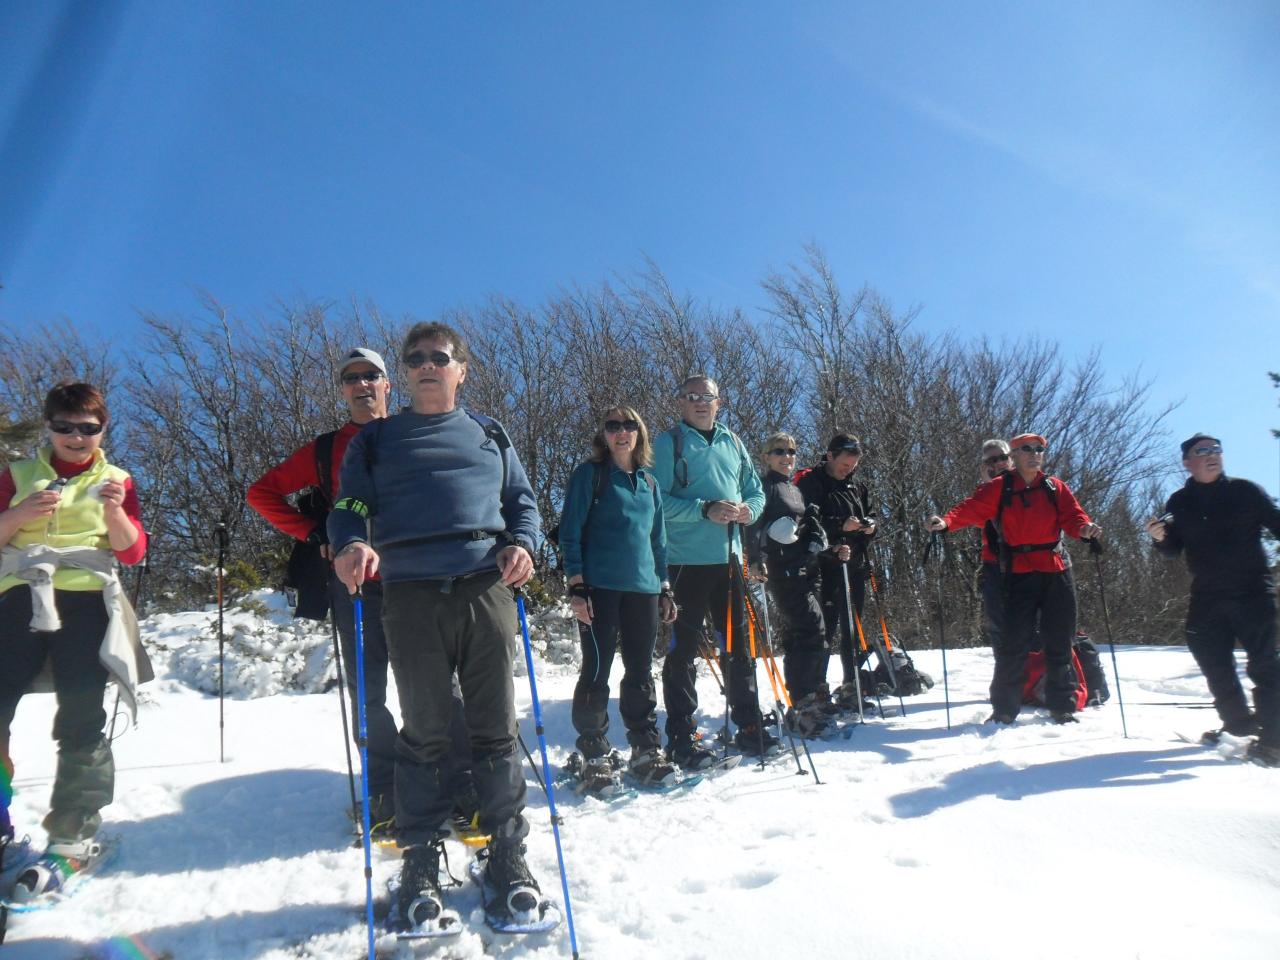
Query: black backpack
x=1095 y=677
x=995 y=532
x=307 y=571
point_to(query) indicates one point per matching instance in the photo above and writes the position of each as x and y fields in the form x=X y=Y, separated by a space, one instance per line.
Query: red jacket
x=270 y=493
x=1029 y=517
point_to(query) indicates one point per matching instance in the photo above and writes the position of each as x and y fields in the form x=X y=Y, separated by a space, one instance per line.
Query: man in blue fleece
x=710 y=492
x=435 y=499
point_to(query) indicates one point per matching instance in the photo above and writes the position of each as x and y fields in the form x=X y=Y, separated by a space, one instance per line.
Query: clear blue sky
x=1104 y=173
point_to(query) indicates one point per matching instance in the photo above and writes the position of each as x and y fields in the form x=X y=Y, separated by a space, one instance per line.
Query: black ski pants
x=626 y=621
x=801 y=627
x=380 y=724
x=85 y=778
x=1050 y=597
x=991 y=586
x=701 y=589
x=1214 y=625
x=841 y=634
x=434 y=629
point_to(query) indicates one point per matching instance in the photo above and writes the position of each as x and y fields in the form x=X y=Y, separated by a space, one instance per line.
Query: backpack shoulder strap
x=599 y=480
x=324 y=464
x=494 y=431
x=679 y=474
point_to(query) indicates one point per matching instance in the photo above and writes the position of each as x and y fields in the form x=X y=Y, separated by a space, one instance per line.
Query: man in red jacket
x=1029 y=512
x=365 y=389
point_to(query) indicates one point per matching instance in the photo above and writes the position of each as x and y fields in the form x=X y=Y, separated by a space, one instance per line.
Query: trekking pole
x=885 y=649
x=737 y=577
x=221 y=533
x=1095 y=547
x=728 y=642
x=342 y=703
x=357 y=602
x=753 y=622
x=546 y=768
x=863 y=648
x=532 y=765
x=936 y=539
x=776 y=681
x=848 y=609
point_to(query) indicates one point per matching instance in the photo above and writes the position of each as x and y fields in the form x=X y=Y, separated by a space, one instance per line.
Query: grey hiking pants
x=434 y=628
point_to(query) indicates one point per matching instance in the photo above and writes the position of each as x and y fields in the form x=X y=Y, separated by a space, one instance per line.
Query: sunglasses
x=847 y=448
x=369 y=376
x=613 y=426
x=701 y=397
x=1032 y=448
x=783 y=452
x=419 y=358
x=1206 y=451
x=65 y=427
x=991 y=461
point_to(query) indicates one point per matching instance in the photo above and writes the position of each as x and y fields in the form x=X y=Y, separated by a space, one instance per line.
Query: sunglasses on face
x=420 y=358
x=65 y=427
x=1206 y=450
x=613 y=426
x=1032 y=448
x=783 y=452
x=369 y=376
x=992 y=461
x=701 y=397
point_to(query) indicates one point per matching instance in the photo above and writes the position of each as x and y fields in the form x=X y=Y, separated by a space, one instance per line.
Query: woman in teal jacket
x=614 y=543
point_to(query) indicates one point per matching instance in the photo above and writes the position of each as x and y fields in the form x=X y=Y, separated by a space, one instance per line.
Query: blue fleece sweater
x=417 y=476
x=719 y=470
x=623 y=546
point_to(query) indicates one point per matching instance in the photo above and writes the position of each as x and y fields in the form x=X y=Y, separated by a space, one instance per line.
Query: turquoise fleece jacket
x=719 y=470
x=623 y=545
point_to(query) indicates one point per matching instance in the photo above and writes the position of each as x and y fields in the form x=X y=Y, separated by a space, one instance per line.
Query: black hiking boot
x=1263 y=755
x=689 y=754
x=512 y=885
x=1064 y=716
x=419 y=901
x=1248 y=727
x=597 y=775
x=650 y=767
x=809 y=718
x=1001 y=719
x=822 y=696
x=754 y=741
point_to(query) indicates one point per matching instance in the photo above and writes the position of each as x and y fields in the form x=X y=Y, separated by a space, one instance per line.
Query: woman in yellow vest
x=66 y=517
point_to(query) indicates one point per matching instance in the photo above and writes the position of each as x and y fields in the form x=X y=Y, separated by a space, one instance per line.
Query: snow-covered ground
x=921 y=842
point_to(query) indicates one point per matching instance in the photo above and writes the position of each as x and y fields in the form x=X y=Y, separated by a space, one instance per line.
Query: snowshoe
x=1243 y=728
x=1063 y=717
x=14 y=854
x=513 y=903
x=418 y=911
x=650 y=768
x=690 y=755
x=809 y=718
x=467 y=829
x=755 y=741
x=1001 y=719
x=57 y=873
x=597 y=777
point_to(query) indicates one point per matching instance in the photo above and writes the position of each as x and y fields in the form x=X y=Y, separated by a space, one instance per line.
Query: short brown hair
x=68 y=397
x=436 y=331
x=644 y=450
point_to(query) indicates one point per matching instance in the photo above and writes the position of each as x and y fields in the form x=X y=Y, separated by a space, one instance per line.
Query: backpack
x=307 y=571
x=679 y=476
x=911 y=681
x=1033 y=687
x=1091 y=663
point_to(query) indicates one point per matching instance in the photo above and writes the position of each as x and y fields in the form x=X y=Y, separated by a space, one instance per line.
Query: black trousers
x=991 y=585
x=434 y=629
x=841 y=634
x=701 y=589
x=1214 y=626
x=626 y=621
x=85 y=779
x=1050 y=599
x=800 y=624
x=380 y=724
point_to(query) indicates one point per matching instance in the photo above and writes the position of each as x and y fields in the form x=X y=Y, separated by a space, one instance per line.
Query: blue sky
x=1101 y=174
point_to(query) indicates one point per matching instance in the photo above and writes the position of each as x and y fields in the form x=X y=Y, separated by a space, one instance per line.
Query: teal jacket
x=623 y=545
x=719 y=470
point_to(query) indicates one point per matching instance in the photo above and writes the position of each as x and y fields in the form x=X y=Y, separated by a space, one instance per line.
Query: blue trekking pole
x=363 y=740
x=546 y=775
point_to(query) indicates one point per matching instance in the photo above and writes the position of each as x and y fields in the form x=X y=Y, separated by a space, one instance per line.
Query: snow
x=922 y=842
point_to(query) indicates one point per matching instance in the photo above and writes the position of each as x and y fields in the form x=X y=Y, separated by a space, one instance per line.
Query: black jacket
x=783 y=499
x=1219 y=525
x=837 y=501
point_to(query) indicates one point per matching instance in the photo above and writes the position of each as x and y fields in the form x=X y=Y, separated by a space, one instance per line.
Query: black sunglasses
x=991 y=461
x=1032 y=448
x=65 y=427
x=369 y=376
x=701 y=397
x=420 y=358
x=783 y=452
x=613 y=426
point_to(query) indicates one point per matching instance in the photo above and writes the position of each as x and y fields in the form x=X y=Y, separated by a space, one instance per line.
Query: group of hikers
x=428 y=519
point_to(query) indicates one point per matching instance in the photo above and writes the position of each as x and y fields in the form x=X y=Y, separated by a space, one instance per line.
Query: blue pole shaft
x=363 y=730
x=546 y=769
